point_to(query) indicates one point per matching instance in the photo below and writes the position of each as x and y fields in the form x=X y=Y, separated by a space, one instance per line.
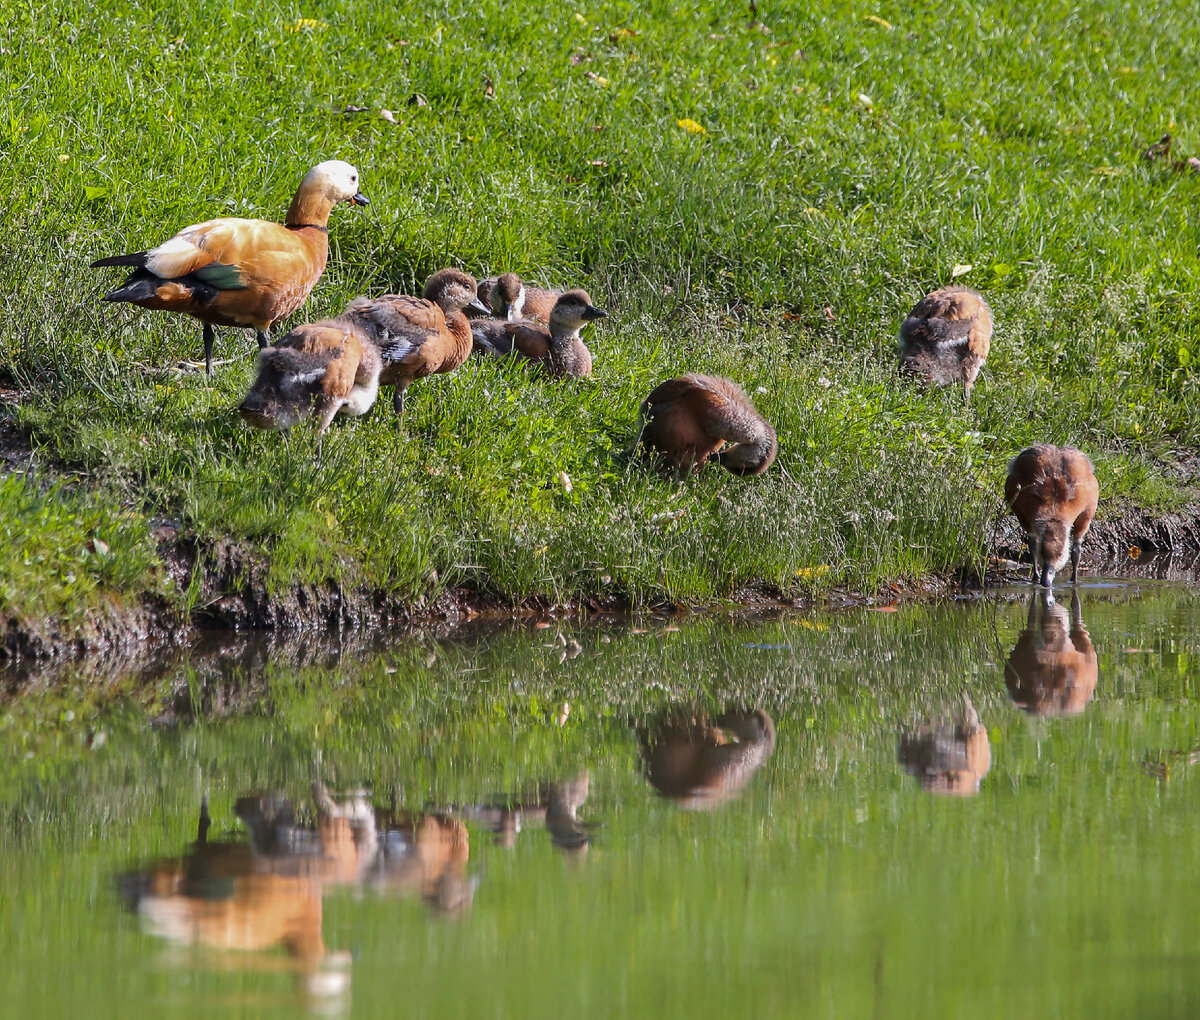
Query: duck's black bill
x=360 y=199
x=592 y=312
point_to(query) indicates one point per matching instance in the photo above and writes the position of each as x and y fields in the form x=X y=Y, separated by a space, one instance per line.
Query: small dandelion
x=692 y=127
x=306 y=25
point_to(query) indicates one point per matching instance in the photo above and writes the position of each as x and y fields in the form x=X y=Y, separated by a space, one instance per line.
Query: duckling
x=238 y=272
x=1053 y=492
x=557 y=349
x=690 y=418
x=948 y=758
x=509 y=298
x=327 y=368
x=1053 y=668
x=420 y=336
x=946 y=337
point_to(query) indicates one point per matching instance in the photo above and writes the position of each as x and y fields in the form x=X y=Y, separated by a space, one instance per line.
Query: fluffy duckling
x=420 y=336
x=238 y=272
x=323 y=368
x=946 y=337
x=510 y=298
x=690 y=418
x=558 y=348
x=1053 y=492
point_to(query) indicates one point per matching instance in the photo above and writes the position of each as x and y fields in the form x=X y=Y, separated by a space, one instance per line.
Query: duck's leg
x=263 y=337
x=210 y=334
x=398 y=398
x=1075 y=544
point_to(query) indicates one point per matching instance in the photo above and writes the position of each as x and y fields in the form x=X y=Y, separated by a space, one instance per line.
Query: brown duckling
x=946 y=337
x=420 y=336
x=690 y=418
x=239 y=272
x=1053 y=493
x=324 y=368
x=1053 y=669
x=948 y=758
x=558 y=348
x=510 y=298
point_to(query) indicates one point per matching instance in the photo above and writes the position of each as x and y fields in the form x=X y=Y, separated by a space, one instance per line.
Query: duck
x=949 y=758
x=324 y=368
x=557 y=349
x=1053 y=668
x=508 y=297
x=241 y=272
x=946 y=338
x=421 y=336
x=1053 y=492
x=690 y=418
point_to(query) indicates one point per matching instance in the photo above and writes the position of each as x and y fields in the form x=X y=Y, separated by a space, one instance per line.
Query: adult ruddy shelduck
x=1053 y=492
x=239 y=272
x=420 y=336
x=557 y=348
x=946 y=337
x=509 y=297
x=690 y=418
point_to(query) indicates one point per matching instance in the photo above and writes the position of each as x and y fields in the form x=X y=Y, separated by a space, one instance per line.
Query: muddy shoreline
x=234 y=599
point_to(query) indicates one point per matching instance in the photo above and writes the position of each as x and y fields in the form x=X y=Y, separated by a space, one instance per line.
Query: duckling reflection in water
x=699 y=762
x=267 y=892
x=555 y=804
x=949 y=758
x=1053 y=669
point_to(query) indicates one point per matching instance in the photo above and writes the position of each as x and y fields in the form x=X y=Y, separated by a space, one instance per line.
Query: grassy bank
x=851 y=158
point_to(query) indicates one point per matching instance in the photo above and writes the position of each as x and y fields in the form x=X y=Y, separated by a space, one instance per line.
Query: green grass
x=845 y=163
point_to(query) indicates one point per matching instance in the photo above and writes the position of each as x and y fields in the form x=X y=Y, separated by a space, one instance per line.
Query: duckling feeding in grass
x=420 y=336
x=690 y=418
x=1053 y=492
x=557 y=349
x=323 y=368
x=239 y=272
x=945 y=339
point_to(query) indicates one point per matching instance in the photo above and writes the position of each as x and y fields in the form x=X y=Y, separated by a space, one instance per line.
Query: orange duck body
x=239 y=272
x=690 y=419
x=1053 y=493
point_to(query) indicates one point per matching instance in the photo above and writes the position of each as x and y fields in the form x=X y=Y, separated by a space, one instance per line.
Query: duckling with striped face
x=558 y=349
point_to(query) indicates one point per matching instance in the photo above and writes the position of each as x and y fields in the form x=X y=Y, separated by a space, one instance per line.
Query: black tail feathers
x=137 y=258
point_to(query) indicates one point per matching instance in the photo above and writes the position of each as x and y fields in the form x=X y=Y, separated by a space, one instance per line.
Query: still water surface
x=985 y=809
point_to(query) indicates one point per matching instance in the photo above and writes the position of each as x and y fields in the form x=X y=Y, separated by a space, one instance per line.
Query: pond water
x=985 y=809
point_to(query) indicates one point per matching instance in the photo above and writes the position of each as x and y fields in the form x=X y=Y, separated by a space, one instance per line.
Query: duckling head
x=1051 y=538
x=572 y=311
x=507 y=297
x=282 y=394
x=337 y=180
x=453 y=290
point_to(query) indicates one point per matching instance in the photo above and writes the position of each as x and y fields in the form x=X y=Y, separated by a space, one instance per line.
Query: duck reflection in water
x=948 y=757
x=699 y=762
x=1053 y=669
x=554 y=803
x=267 y=892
